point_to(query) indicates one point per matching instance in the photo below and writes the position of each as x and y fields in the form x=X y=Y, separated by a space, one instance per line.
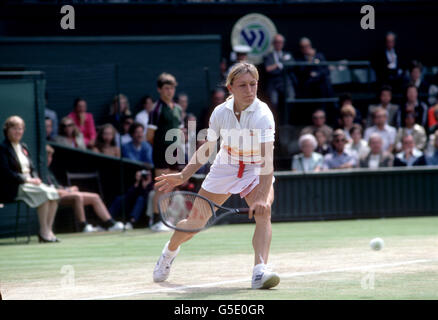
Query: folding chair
x=17 y=219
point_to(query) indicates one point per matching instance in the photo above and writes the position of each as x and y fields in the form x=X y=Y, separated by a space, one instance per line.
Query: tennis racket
x=190 y=212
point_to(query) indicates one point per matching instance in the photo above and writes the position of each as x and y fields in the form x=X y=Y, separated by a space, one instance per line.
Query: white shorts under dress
x=222 y=179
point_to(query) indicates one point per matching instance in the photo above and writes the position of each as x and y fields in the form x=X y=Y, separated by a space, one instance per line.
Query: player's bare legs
x=171 y=249
x=180 y=237
x=261 y=240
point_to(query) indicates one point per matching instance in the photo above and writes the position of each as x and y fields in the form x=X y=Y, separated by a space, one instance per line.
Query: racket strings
x=186 y=211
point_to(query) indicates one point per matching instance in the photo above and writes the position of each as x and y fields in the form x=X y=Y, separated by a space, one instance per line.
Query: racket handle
x=242 y=211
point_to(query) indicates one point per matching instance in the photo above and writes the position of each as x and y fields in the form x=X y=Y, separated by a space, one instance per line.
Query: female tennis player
x=239 y=168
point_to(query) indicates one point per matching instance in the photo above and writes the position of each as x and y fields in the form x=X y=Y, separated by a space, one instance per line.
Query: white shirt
x=388 y=135
x=143 y=118
x=373 y=163
x=240 y=140
x=392 y=58
x=361 y=148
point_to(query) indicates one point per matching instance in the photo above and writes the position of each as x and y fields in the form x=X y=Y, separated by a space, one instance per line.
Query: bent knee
x=77 y=197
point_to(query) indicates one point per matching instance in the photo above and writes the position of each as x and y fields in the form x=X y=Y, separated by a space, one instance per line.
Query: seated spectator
x=415 y=77
x=359 y=145
x=20 y=182
x=348 y=113
x=116 y=114
x=135 y=199
x=376 y=158
x=413 y=129
x=146 y=106
x=432 y=116
x=313 y=80
x=71 y=196
x=183 y=100
x=430 y=159
x=70 y=135
x=385 y=98
x=323 y=146
x=127 y=122
x=413 y=104
x=106 y=141
x=84 y=121
x=49 y=129
x=339 y=158
x=409 y=153
x=346 y=99
x=138 y=149
x=318 y=119
x=387 y=132
x=308 y=160
x=51 y=114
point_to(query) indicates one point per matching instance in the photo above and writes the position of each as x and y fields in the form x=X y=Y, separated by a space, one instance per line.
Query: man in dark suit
x=388 y=64
x=278 y=85
x=313 y=80
x=376 y=158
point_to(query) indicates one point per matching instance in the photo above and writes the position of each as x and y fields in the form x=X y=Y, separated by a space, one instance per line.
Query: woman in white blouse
x=19 y=181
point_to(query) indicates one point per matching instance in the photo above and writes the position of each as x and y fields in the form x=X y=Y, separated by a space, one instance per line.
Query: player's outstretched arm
x=167 y=182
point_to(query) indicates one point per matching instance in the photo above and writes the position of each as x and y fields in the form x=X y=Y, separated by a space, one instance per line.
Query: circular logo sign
x=256 y=31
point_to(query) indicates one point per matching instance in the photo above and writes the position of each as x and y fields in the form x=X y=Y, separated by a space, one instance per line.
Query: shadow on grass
x=197 y=293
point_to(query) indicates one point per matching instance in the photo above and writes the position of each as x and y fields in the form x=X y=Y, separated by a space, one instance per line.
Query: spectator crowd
x=390 y=133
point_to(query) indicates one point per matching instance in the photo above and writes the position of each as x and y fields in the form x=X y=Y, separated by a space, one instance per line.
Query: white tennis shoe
x=263 y=278
x=162 y=268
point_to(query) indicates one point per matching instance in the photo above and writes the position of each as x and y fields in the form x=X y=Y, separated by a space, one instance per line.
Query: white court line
x=282 y=276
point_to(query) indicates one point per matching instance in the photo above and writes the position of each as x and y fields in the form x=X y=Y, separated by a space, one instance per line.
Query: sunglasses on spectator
x=339 y=140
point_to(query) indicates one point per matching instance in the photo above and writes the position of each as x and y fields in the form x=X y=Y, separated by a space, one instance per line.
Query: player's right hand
x=166 y=182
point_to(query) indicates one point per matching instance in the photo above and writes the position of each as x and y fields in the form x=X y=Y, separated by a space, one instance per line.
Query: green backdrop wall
x=86 y=67
x=22 y=94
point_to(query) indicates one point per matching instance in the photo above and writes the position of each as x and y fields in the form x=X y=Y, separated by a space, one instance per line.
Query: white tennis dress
x=236 y=168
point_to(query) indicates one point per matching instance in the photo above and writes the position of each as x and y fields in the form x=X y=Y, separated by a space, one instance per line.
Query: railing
x=351 y=194
x=343 y=66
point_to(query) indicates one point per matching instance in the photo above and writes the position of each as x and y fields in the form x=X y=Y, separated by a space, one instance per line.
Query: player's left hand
x=259 y=208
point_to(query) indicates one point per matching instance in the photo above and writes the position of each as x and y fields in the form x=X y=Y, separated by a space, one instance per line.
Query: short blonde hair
x=11 y=122
x=241 y=68
x=348 y=110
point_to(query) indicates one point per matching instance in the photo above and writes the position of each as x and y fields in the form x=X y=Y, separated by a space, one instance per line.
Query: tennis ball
x=377 y=244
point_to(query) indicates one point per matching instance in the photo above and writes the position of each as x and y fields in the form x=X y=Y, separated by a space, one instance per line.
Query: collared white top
x=240 y=140
x=388 y=135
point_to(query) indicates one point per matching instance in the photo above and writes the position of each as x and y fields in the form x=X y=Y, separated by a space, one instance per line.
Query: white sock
x=167 y=252
x=258 y=267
